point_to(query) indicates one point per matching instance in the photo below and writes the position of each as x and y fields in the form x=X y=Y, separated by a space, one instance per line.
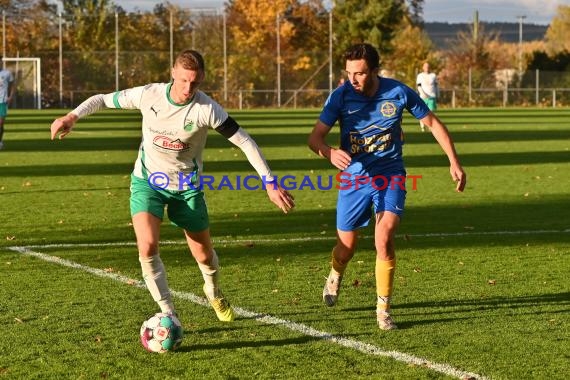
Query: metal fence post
x=537 y=94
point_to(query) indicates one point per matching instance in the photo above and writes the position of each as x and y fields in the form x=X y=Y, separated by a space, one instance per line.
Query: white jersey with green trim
x=173 y=135
x=6 y=78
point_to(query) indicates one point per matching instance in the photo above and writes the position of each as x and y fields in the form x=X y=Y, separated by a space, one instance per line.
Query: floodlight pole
x=278 y=62
x=521 y=18
x=331 y=49
x=171 y=27
x=60 y=63
x=3 y=38
x=116 y=51
x=225 y=57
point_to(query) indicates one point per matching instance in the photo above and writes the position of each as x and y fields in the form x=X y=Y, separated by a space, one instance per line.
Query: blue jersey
x=371 y=127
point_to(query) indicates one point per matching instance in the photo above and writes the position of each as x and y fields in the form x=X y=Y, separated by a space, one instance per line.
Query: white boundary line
x=299 y=239
x=366 y=348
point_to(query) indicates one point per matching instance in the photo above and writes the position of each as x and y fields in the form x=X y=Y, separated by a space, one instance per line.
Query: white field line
x=301 y=239
x=366 y=348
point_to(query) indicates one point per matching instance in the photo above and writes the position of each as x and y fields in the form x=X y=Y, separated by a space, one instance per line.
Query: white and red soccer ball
x=161 y=333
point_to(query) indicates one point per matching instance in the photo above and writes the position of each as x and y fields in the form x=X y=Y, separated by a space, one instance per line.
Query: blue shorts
x=358 y=194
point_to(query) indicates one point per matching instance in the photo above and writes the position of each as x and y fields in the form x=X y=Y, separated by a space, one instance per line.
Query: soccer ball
x=161 y=333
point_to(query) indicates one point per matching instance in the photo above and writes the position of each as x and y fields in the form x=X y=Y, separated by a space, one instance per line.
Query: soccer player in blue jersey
x=369 y=112
x=176 y=118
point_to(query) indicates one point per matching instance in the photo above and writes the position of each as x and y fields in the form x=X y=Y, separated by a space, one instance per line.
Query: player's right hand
x=340 y=159
x=62 y=126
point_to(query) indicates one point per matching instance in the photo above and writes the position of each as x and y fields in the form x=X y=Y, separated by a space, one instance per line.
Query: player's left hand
x=281 y=197
x=458 y=175
x=62 y=126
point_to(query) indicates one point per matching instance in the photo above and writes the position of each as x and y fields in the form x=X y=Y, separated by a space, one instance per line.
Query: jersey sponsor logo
x=350 y=112
x=388 y=109
x=165 y=143
x=369 y=144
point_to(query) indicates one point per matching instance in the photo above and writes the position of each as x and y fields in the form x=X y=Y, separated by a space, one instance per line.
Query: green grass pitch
x=482 y=285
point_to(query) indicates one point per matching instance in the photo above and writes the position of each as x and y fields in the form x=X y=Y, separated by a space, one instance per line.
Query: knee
x=344 y=253
x=147 y=249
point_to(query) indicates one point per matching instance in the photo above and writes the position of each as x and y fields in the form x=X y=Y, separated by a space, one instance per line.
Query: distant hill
x=442 y=33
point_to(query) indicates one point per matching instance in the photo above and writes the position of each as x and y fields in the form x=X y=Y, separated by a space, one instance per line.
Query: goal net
x=27 y=76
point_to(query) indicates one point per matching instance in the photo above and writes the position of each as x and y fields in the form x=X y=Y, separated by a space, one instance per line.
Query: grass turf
x=481 y=283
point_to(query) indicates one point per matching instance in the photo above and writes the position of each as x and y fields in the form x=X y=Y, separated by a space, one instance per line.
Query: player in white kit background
x=7 y=90
x=428 y=88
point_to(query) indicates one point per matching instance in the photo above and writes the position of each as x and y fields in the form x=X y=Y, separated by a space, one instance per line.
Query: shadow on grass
x=269 y=233
x=286 y=166
x=439 y=312
x=232 y=345
x=96 y=142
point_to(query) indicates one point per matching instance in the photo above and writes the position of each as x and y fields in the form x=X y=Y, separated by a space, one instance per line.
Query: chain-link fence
x=72 y=70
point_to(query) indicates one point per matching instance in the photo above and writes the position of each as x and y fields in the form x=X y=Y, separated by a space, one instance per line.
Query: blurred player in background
x=369 y=111
x=428 y=89
x=7 y=89
x=176 y=117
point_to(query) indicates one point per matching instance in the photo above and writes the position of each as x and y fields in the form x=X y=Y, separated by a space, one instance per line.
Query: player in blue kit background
x=176 y=118
x=369 y=112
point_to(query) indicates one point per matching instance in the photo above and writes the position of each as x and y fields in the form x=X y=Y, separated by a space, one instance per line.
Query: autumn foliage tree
x=557 y=40
x=94 y=56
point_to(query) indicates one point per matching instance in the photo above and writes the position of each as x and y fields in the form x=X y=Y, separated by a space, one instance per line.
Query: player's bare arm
x=63 y=125
x=317 y=142
x=442 y=136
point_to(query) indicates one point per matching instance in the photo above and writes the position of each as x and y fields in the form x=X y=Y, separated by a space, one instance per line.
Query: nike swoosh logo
x=350 y=112
x=398 y=208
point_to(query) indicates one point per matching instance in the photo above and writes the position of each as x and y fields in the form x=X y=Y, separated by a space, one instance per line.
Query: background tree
x=393 y=26
x=144 y=39
x=557 y=34
x=410 y=48
x=89 y=40
x=30 y=31
x=469 y=61
x=253 y=28
x=303 y=36
x=372 y=21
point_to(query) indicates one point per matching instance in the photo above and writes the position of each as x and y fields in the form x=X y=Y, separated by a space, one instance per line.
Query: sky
x=452 y=11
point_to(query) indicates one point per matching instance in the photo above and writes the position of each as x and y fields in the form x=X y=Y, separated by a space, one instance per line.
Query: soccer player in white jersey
x=7 y=89
x=176 y=117
x=369 y=111
x=428 y=89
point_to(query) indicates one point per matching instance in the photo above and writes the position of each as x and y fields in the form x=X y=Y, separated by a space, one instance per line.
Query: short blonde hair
x=190 y=60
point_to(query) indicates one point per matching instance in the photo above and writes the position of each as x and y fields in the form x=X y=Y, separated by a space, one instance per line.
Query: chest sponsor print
x=165 y=143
